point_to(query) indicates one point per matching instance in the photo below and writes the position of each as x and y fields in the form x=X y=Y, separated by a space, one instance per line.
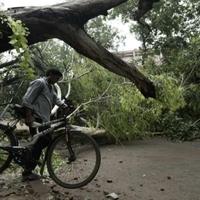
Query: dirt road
x=153 y=169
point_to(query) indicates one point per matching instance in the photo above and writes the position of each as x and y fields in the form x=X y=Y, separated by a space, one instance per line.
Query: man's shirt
x=41 y=97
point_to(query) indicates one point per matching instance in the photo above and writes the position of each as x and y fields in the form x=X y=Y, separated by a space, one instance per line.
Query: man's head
x=53 y=75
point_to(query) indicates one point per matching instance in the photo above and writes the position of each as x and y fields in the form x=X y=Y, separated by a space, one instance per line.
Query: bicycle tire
x=68 y=174
x=7 y=138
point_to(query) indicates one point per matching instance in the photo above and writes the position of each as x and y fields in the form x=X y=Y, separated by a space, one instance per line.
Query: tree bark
x=66 y=22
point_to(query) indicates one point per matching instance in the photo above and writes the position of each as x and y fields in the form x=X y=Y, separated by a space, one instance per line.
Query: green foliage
x=192 y=96
x=54 y=53
x=169 y=92
x=114 y=103
x=122 y=111
x=174 y=37
x=129 y=115
x=178 y=128
x=103 y=33
x=19 y=42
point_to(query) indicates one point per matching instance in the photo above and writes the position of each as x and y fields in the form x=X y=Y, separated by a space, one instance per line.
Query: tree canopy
x=169 y=31
x=66 y=22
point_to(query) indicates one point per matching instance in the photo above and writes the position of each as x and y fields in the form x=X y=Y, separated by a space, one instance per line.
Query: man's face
x=53 y=78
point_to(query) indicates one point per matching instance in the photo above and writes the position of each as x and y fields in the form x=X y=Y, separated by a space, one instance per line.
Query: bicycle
x=72 y=158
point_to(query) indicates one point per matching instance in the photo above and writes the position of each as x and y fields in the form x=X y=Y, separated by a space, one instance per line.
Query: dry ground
x=153 y=169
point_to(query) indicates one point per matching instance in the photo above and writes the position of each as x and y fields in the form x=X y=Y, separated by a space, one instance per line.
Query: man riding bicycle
x=38 y=102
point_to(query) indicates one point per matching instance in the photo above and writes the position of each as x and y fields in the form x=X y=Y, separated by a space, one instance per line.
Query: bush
x=176 y=128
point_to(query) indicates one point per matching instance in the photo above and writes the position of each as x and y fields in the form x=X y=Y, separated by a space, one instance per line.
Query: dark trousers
x=37 y=148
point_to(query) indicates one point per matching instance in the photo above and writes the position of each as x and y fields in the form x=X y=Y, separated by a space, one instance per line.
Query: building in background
x=135 y=56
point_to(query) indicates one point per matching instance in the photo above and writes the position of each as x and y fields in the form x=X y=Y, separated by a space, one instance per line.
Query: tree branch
x=65 y=21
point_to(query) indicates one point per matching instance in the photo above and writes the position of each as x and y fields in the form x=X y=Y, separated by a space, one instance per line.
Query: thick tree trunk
x=65 y=21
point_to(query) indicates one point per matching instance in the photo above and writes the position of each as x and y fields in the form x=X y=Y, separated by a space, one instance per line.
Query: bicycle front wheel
x=73 y=164
x=6 y=139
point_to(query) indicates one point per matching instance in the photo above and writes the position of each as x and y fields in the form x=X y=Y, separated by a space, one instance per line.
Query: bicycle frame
x=68 y=148
x=54 y=124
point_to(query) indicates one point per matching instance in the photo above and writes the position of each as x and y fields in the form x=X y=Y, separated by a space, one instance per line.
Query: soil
x=152 y=169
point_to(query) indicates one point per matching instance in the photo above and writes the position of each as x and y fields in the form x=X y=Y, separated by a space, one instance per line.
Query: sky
x=130 y=42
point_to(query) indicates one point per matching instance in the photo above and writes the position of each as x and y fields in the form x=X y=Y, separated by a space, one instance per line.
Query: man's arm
x=59 y=102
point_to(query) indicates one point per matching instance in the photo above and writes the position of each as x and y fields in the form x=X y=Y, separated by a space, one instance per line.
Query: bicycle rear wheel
x=6 y=139
x=73 y=171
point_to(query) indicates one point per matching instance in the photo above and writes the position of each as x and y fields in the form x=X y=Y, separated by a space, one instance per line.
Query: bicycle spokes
x=73 y=163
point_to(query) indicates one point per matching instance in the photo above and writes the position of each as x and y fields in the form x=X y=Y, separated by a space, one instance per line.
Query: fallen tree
x=66 y=21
